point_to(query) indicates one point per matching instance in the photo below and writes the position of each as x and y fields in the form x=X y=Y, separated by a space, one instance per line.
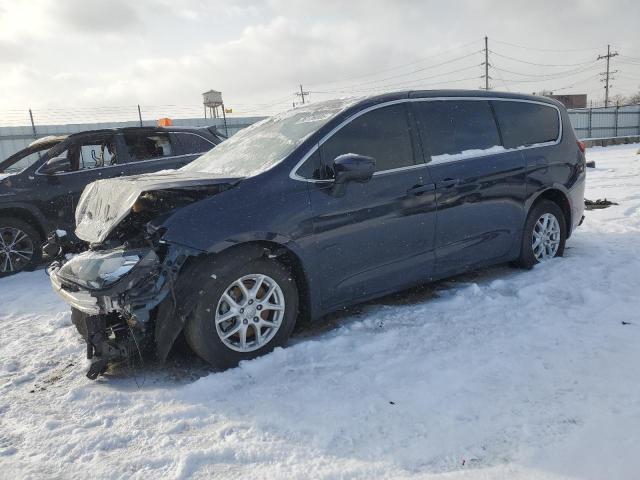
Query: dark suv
x=315 y=209
x=40 y=185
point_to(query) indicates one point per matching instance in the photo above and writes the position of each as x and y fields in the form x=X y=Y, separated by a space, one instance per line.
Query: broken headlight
x=97 y=270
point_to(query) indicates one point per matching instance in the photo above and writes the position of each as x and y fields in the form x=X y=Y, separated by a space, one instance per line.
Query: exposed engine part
x=109 y=339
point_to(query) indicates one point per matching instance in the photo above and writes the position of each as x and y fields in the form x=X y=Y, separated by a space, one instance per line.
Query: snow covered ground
x=502 y=374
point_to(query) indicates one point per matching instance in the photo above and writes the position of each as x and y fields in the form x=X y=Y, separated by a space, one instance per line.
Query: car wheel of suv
x=20 y=246
x=545 y=233
x=243 y=311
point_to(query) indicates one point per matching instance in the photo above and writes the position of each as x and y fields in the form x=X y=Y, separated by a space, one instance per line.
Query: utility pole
x=607 y=74
x=486 y=62
x=302 y=94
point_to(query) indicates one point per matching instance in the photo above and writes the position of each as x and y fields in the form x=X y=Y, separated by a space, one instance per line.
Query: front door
x=480 y=186
x=376 y=236
x=91 y=157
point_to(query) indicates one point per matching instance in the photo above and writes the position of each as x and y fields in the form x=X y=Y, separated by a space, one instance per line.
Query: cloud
x=86 y=52
x=96 y=16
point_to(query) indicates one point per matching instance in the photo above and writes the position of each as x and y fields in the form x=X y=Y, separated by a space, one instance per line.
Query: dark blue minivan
x=321 y=207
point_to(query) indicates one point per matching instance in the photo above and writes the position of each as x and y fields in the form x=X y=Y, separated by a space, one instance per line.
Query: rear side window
x=382 y=133
x=186 y=143
x=452 y=127
x=523 y=124
x=147 y=146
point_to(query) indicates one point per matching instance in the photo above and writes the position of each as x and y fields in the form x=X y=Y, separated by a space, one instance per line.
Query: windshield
x=23 y=159
x=265 y=144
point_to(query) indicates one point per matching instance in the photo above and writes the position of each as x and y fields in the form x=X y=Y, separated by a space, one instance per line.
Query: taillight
x=581 y=146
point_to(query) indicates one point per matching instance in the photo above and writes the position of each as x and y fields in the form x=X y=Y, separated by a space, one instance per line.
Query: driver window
x=59 y=163
x=382 y=133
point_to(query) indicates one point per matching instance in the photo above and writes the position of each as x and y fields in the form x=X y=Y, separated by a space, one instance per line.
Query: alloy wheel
x=545 y=240
x=249 y=313
x=16 y=249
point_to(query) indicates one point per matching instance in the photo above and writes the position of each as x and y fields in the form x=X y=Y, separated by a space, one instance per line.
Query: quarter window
x=382 y=133
x=523 y=123
x=452 y=127
x=190 y=143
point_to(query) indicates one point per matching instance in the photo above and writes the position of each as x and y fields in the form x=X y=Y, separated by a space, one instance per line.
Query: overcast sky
x=80 y=53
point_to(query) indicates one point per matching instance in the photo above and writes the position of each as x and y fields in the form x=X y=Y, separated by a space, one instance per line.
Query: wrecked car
x=315 y=209
x=40 y=185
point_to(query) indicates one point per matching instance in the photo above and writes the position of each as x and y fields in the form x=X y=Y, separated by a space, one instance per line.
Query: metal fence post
x=616 y=121
x=590 y=120
x=140 y=115
x=33 y=125
x=639 y=119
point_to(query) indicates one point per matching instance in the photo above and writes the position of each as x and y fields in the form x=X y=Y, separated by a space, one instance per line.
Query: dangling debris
x=598 y=204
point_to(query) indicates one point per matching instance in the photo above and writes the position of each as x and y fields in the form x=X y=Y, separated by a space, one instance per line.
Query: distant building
x=570 y=101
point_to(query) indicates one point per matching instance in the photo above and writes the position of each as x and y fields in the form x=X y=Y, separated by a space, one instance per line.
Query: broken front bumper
x=111 y=293
x=102 y=282
x=80 y=300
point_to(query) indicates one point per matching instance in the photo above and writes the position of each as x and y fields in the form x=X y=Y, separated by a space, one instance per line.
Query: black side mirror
x=351 y=167
x=56 y=165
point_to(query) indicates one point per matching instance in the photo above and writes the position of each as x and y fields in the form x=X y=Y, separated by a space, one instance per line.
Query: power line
x=399 y=84
x=409 y=87
x=607 y=74
x=373 y=74
x=541 y=64
x=546 y=49
x=428 y=67
x=539 y=75
x=550 y=77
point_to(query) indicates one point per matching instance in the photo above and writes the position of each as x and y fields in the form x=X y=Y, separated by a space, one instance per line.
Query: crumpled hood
x=105 y=203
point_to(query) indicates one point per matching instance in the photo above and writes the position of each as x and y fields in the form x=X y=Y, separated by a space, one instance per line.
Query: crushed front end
x=124 y=290
x=113 y=294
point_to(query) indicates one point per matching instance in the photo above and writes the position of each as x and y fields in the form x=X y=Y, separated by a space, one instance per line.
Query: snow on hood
x=105 y=203
x=5 y=175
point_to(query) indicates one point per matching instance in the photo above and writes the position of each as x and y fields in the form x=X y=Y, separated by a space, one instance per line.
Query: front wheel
x=545 y=233
x=20 y=246
x=243 y=311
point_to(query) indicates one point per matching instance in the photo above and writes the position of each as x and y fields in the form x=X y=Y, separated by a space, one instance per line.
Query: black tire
x=33 y=237
x=200 y=330
x=527 y=257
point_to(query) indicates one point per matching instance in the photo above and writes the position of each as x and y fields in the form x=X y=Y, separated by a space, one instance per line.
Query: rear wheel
x=545 y=233
x=244 y=311
x=20 y=246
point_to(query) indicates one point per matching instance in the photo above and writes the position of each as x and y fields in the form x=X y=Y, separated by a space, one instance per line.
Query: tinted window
x=311 y=167
x=451 y=127
x=382 y=134
x=523 y=123
x=147 y=147
x=185 y=143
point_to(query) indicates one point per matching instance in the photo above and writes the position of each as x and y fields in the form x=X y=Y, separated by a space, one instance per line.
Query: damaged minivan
x=315 y=209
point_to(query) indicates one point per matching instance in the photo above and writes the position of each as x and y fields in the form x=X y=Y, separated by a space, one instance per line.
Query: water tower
x=212 y=100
